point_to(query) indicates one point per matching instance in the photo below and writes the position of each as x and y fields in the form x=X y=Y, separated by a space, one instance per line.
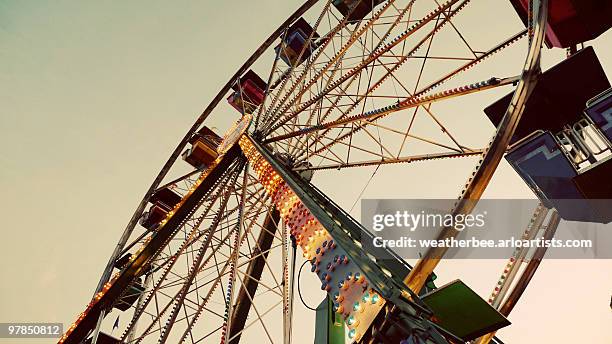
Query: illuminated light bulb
x=375 y=298
x=351 y=320
x=352 y=333
x=356 y=306
x=335 y=306
x=365 y=298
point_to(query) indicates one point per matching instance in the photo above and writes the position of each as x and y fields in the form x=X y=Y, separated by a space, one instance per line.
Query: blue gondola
x=130 y=295
x=562 y=150
x=599 y=110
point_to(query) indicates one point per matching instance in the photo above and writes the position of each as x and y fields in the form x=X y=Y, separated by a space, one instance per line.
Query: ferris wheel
x=211 y=255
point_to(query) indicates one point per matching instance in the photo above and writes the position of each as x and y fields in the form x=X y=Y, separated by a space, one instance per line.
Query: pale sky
x=95 y=96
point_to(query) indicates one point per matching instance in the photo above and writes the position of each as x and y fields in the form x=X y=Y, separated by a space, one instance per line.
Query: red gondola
x=296 y=47
x=571 y=21
x=248 y=93
x=362 y=8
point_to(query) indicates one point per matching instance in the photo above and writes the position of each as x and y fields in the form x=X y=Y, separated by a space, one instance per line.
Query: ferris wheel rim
x=307 y=5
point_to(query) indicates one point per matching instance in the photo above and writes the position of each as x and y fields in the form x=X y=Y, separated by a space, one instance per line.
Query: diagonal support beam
x=252 y=276
x=310 y=214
